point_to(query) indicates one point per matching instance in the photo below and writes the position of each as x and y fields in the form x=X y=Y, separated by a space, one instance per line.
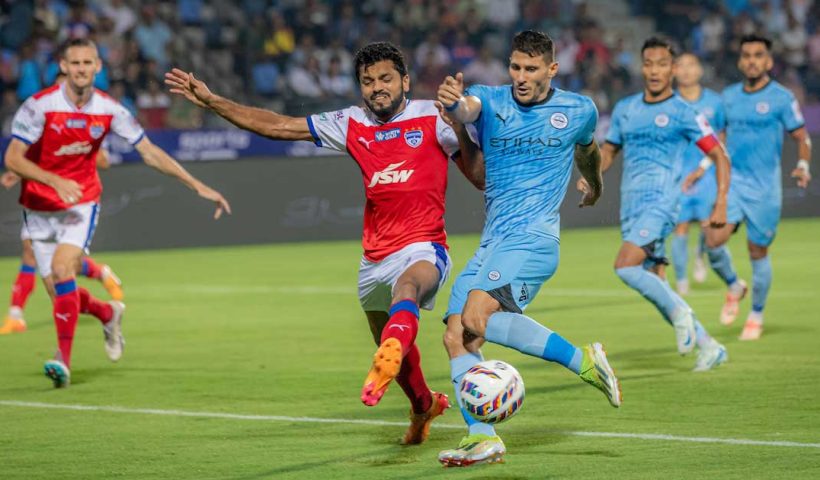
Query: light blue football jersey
x=528 y=155
x=654 y=137
x=754 y=135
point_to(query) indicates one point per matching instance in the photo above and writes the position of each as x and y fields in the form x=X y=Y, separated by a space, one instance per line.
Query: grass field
x=263 y=331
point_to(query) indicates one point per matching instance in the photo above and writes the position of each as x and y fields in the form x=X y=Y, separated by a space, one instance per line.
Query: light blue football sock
x=458 y=367
x=761 y=281
x=701 y=244
x=653 y=289
x=702 y=337
x=524 y=334
x=721 y=261
x=680 y=255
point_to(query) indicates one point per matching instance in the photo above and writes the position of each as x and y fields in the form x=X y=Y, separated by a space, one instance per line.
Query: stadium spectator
x=486 y=69
x=29 y=81
x=153 y=106
x=336 y=82
x=153 y=36
x=121 y=14
x=432 y=50
x=304 y=80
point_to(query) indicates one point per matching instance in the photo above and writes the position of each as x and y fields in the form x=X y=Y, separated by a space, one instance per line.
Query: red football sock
x=23 y=286
x=88 y=304
x=91 y=269
x=403 y=324
x=66 y=311
x=412 y=381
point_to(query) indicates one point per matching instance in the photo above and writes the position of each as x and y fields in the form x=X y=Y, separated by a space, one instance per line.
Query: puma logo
x=366 y=143
x=400 y=327
x=503 y=119
x=56 y=128
x=63 y=316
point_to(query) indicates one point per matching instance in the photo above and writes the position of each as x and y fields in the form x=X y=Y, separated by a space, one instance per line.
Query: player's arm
x=102 y=159
x=801 y=172
x=155 y=157
x=9 y=179
x=263 y=122
x=470 y=158
x=703 y=167
x=458 y=107
x=717 y=154
x=589 y=163
x=69 y=191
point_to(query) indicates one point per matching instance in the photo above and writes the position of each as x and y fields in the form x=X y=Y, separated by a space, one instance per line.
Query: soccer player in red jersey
x=403 y=149
x=62 y=128
x=24 y=282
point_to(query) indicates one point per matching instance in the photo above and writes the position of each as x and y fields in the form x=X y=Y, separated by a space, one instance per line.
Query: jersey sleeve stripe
x=139 y=139
x=707 y=143
x=796 y=128
x=24 y=140
x=316 y=139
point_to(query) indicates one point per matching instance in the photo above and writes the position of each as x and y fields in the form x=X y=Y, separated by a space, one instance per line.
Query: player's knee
x=62 y=271
x=756 y=252
x=452 y=339
x=473 y=322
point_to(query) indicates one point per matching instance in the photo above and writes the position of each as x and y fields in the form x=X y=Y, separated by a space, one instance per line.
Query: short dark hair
x=658 y=42
x=533 y=44
x=376 y=52
x=754 y=38
x=75 y=42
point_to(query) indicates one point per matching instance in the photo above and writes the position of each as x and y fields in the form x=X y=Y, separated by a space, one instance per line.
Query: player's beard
x=389 y=110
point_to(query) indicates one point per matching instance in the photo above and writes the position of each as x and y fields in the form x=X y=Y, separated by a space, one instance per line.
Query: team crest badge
x=559 y=120
x=762 y=108
x=494 y=275
x=414 y=138
x=96 y=130
x=662 y=120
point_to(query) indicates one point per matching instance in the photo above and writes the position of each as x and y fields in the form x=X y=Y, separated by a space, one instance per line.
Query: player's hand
x=185 y=84
x=803 y=177
x=69 y=191
x=444 y=114
x=209 y=193
x=590 y=197
x=718 y=217
x=451 y=90
x=9 y=179
x=692 y=179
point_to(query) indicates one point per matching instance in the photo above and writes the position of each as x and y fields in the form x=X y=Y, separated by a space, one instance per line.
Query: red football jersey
x=65 y=139
x=404 y=171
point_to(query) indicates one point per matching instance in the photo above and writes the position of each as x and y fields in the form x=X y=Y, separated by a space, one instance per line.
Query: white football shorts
x=46 y=230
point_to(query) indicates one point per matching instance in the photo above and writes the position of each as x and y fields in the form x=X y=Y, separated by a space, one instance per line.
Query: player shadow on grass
x=621 y=302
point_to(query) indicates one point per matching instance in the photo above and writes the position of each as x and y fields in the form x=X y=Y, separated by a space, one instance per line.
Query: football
x=492 y=391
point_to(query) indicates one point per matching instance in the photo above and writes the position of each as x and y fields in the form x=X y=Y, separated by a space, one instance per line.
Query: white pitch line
x=282 y=418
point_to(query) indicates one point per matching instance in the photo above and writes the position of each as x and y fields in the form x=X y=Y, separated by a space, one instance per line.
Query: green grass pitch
x=277 y=330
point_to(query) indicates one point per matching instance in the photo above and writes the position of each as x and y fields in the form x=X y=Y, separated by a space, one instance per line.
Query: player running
x=697 y=201
x=403 y=148
x=530 y=133
x=65 y=125
x=654 y=128
x=24 y=283
x=758 y=111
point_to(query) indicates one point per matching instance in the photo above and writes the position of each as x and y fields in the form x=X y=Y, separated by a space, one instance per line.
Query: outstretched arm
x=264 y=122
x=155 y=157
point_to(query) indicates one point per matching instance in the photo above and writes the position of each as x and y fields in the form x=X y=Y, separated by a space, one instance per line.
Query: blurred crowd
x=296 y=55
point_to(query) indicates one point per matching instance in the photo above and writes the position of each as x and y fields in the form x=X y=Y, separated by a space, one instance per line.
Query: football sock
x=458 y=367
x=66 y=310
x=91 y=269
x=702 y=337
x=680 y=256
x=761 y=281
x=721 y=261
x=524 y=334
x=701 y=244
x=403 y=324
x=88 y=304
x=23 y=286
x=653 y=289
x=411 y=379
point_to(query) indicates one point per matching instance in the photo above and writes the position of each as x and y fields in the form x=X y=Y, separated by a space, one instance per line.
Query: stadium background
x=295 y=57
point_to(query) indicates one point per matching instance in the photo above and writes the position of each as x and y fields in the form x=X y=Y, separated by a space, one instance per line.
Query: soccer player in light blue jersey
x=698 y=200
x=759 y=111
x=653 y=128
x=529 y=133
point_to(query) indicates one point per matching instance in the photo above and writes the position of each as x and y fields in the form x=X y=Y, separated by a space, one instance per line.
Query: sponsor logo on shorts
x=494 y=275
x=525 y=293
x=414 y=138
x=762 y=108
x=384 y=135
x=559 y=120
x=76 y=148
x=391 y=174
x=75 y=123
x=662 y=120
